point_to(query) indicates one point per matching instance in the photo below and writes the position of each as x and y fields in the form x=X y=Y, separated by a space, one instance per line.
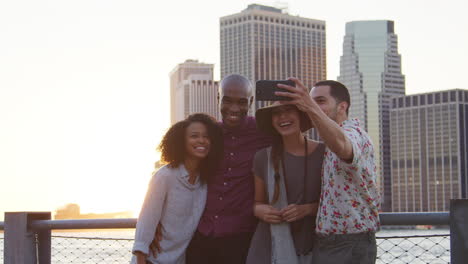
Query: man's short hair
x=236 y=79
x=337 y=91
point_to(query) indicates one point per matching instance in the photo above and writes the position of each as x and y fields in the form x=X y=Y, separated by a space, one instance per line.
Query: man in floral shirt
x=348 y=213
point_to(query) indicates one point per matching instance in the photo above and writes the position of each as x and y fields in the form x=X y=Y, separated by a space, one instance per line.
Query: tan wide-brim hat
x=263 y=119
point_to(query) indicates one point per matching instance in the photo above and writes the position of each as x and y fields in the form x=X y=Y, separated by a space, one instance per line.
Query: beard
x=333 y=115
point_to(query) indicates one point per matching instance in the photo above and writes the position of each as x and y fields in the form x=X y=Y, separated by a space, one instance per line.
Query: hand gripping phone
x=265 y=90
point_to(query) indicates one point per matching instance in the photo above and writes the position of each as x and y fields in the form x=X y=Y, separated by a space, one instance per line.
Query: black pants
x=343 y=249
x=218 y=250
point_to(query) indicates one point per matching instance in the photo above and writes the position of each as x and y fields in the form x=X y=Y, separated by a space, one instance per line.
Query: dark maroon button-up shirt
x=230 y=199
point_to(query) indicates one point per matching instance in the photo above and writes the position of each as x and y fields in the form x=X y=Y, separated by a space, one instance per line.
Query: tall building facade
x=263 y=43
x=202 y=97
x=429 y=144
x=193 y=90
x=371 y=69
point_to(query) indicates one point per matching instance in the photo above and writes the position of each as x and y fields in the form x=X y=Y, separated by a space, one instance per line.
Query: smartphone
x=265 y=90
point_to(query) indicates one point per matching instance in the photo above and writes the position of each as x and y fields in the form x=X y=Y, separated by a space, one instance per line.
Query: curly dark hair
x=172 y=146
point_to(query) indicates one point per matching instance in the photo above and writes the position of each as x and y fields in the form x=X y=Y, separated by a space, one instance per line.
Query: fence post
x=458 y=231
x=20 y=241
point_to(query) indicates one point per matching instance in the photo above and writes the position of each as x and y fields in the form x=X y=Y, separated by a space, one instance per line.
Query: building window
x=445 y=97
x=415 y=100
x=453 y=96
x=437 y=98
x=429 y=98
x=422 y=100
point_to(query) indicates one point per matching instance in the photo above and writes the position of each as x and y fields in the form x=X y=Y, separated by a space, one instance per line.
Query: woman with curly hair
x=176 y=194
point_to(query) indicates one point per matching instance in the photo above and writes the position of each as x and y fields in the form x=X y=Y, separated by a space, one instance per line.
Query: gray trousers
x=345 y=249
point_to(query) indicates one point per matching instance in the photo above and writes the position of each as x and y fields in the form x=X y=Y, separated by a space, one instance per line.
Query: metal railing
x=394 y=249
x=74 y=249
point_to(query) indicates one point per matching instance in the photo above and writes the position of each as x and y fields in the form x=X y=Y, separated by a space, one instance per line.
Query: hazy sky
x=84 y=85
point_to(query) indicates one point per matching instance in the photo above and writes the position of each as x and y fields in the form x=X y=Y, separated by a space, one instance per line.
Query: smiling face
x=286 y=120
x=197 y=141
x=326 y=102
x=235 y=100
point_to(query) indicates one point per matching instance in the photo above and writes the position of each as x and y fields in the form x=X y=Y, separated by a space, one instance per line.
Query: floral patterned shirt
x=350 y=200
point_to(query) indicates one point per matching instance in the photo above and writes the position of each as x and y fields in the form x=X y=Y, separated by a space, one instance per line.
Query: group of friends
x=256 y=190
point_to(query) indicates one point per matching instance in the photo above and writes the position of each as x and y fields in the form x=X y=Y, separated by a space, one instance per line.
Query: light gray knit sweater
x=178 y=206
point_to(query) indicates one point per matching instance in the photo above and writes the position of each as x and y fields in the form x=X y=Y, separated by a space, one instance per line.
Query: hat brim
x=263 y=119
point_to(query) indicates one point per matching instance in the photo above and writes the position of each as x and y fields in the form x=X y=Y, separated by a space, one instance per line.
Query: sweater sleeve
x=150 y=214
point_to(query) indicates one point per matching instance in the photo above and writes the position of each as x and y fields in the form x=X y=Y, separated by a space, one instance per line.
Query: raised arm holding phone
x=348 y=213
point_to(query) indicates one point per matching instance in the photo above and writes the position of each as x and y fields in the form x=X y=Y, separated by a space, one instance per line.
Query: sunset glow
x=84 y=85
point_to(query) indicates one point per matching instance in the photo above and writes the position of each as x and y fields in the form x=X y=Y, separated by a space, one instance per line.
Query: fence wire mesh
x=434 y=249
x=1 y=248
x=67 y=249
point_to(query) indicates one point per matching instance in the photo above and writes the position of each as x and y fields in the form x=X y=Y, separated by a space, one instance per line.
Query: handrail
x=84 y=223
x=436 y=218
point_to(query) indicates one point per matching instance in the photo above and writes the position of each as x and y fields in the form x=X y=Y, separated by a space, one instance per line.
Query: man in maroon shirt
x=227 y=224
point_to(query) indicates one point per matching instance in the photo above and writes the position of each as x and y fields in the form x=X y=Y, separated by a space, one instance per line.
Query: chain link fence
x=1 y=247
x=432 y=249
x=66 y=249
x=414 y=249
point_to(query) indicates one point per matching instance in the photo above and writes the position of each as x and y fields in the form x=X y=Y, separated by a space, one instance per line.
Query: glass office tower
x=371 y=69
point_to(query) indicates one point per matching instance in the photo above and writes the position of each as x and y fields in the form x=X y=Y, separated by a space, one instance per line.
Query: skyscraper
x=429 y=144
x=192 y=90
x=371 y=68
x=264 y=43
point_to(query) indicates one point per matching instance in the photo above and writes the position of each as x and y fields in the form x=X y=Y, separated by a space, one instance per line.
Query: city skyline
x=85 y=94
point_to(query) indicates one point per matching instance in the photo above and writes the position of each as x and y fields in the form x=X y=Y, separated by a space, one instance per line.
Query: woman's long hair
x=277 y=149
x=172 y=146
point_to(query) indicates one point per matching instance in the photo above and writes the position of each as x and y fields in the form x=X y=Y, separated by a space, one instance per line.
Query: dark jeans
x=343 y=249
x=216 y=250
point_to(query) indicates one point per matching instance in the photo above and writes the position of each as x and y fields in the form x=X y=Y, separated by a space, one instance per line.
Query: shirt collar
x=184 y=177
x=351 y=122
x=244 y=123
